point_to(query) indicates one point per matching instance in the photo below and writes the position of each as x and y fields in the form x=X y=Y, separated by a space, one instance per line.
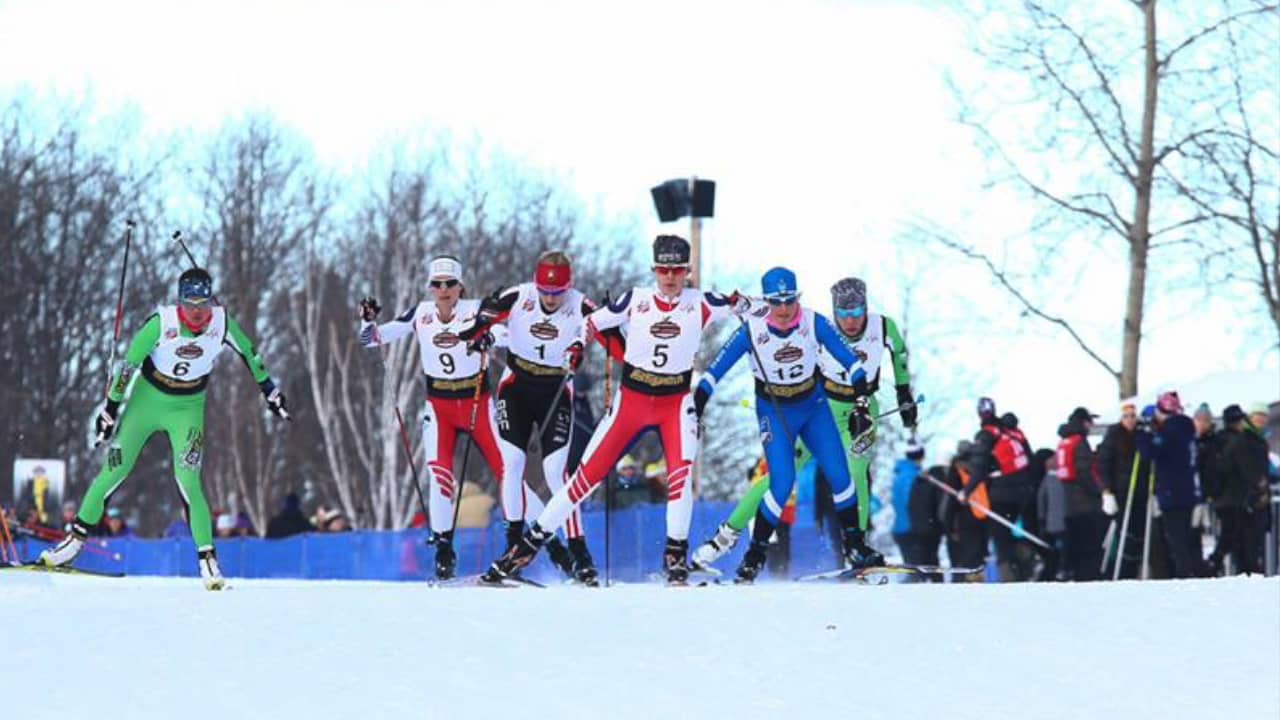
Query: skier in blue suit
x=782 y=341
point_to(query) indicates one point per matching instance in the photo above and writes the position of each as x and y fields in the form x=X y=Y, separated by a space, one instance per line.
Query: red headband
x=553 y=278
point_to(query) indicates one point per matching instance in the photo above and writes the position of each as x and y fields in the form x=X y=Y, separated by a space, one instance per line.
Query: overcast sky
x=827 y=126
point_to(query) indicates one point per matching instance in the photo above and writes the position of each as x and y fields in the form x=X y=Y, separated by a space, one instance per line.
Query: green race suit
x=169 y=397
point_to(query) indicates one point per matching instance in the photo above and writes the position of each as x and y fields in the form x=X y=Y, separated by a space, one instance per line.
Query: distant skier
x=869 y=335
x=791 y=405
x=175 y=350
x=664 y=326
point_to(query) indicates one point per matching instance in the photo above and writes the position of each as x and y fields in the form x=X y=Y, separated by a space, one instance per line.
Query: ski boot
x=717 y=547
x=752 y=562
x=560 y=555
x=857 y=552
x=584 y=570
x=210 y=573
x=446 y=558
x=66 y=550
x=520 y=555
x=675 y=562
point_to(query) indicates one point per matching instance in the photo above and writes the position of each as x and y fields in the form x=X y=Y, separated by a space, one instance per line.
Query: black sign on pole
x=673 y=199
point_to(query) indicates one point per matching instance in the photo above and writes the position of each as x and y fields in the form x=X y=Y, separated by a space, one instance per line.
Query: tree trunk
x=1140 y=230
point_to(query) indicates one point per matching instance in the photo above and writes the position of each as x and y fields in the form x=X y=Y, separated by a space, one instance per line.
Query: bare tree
x=63 y=202
x=263 y=203
x=1099 y=141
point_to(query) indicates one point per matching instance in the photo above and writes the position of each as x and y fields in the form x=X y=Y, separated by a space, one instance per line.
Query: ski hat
x=1009 y=420
x=195 y=286
x=849 y=294
x=1082 y=415
x=1202 y=410
x=986 y=407
x=226 y=521
x=1232 y=414
x=445 y=267
x=779 y=283
x=626 y=462
x=915 y=451
x=670 y=251
x=1169 y=403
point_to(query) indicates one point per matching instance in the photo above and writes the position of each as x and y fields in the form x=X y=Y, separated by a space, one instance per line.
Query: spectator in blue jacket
x=915 y=527
x=1170 y=443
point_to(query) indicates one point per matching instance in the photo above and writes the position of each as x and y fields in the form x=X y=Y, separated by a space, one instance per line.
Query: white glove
x=1109 y=504
x=1200 y=516
x=1155 y=508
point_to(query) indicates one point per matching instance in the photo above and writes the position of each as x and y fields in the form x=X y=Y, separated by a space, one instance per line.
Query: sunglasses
x=196 y=303
x=552 y=292
x=670 y=269
x=778 y=302
x=854 y=313
x=444 y=283
x=1129 y=416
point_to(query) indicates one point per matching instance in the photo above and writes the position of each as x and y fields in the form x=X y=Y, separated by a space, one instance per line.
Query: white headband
x=444 y=267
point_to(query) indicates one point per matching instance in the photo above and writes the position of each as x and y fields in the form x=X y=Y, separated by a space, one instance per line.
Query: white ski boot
x=717 y=547
x=210 y=573
x=67 y=550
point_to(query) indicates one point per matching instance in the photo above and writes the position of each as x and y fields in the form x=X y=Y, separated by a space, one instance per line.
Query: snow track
x=163 y=648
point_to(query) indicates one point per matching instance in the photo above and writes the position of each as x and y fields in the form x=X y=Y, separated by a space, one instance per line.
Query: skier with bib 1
x=782 y=342
x=663 y=326
x=543 y=319
x=175 y=351
x=871 y=336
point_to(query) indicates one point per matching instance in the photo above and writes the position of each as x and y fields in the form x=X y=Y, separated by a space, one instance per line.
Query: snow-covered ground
x=75 y=647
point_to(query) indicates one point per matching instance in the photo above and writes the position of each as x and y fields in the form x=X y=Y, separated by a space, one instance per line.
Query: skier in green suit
x=175 y=351
x=869 y=335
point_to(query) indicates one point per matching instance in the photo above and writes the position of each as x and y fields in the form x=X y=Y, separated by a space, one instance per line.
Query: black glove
x=481 y=343
x=105 y=423
x=700 y=398
x=274 y=398
x=860 y=419
x=369 y=309
x=573 y=355
x=909 y=412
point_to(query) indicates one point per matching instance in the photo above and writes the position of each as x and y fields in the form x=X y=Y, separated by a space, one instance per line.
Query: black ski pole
x=177 y=238
x=124 y=274
x=404 y=434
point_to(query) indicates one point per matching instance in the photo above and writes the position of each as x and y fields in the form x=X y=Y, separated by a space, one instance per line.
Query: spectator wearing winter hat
x=225 y=526
x=1209 y=443
x=1121 y=469
x=1086 y=523
x=1170 y=444
x=915 y=526
x=115 y=525
x=1000 y=460
x=1243 y=460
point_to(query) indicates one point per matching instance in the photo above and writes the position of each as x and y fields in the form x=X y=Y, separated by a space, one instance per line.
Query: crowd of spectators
x=1161 y=495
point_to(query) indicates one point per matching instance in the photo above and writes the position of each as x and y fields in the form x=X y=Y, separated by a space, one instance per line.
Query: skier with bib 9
x=175 y=352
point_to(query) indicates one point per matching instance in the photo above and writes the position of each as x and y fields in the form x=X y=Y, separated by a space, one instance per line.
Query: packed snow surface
x=78 y=647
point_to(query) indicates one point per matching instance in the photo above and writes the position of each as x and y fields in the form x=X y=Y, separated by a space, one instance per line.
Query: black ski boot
x=752 y=562
x=857 y=552
x=675 y=561
x=520 y=554
x=584 y=570
x=446 y=558
x=560 y=556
